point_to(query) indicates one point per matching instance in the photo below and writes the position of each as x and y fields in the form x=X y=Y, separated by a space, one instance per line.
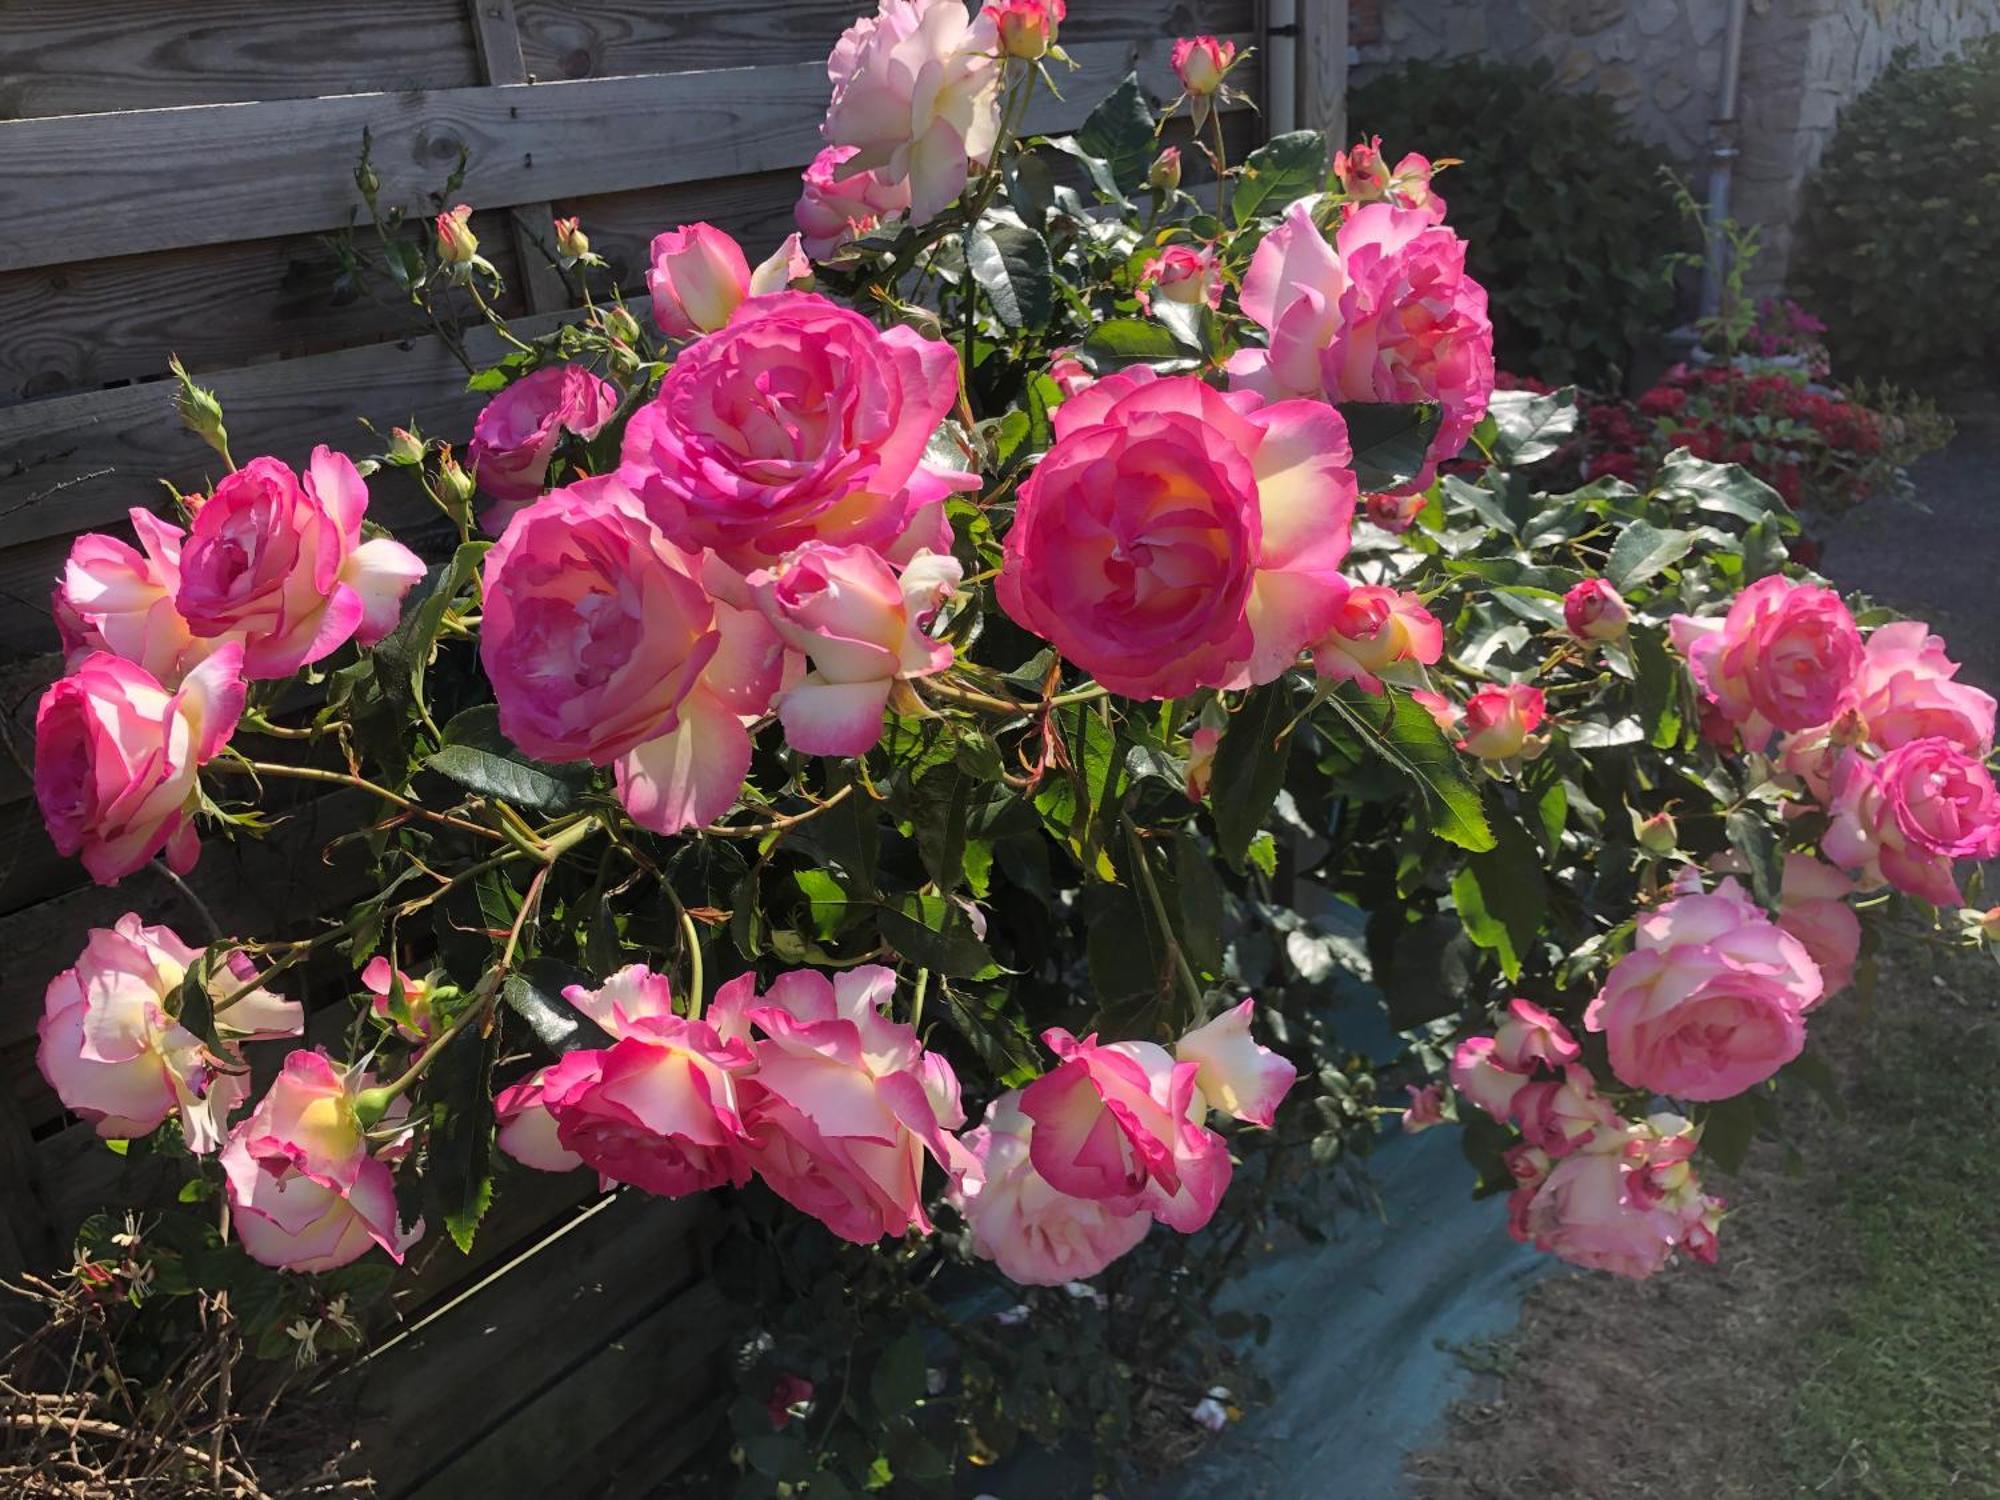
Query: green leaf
x=533 y=991
x=1643 y=550
x=935 y=933
x=1727 y=488
x=1250 y=769
x=403 y=656
x=1011 y=265
x=1097 y=167
x=196 y=1009
x=1502 y=894
x=1727 y=1128
x=1658 y=683
x=1755 y=839
x=1400 y=730
x=1390 y=440
x=897 y=1381
x=939 y=807
x=1126 y=341
x=481 y=759
x=1200 y=900
x=1279 y=173
x=1528 y=428
x=458 y=1151
x=1596 y=734
x=1121 y=132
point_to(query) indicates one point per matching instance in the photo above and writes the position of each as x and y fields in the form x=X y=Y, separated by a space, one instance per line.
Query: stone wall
x=1660 y=61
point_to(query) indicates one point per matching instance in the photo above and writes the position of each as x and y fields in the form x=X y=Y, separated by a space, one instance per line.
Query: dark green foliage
x=1897 y=238
x=1562 y=208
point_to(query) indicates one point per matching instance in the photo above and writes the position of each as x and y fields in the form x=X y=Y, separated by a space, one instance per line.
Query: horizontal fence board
x=67 y=186
x=76 y=328
x=79 y=57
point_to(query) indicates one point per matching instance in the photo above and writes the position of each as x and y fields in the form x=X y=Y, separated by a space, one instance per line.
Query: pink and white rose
x=1385 y=313
x=277 y=559
x=1906 y=818
x=117 y=598
x=1035 y=1234
x=1236 y=1074
x=1176 y=537
x=1188 y=274
x=916 y=93
x=1782 y=658
x=1905 y=690
x=845 y=1103
x=799 y=421
x=1201 y=62
x=1595 y=611
x=1711 y=1001
x=116 y=757
x=115 y=1054
x=514 y=437
x=841 y=201
x=1812 y=907
x=865 y=629
x=1373 y=630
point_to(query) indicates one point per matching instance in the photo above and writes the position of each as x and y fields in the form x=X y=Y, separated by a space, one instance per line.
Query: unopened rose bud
x=454 y=483
x=1202 y=745
x=456 y=243
x=199 y=409
x=572 y=244
x=620 y=324
x=1201 y=62
x=366 y=182
x=1595 y=611
x=1165 y=173
x=1657 y=834
x=1027 y=28
x=405 y=447
x=698 y=277
x=370 y=1105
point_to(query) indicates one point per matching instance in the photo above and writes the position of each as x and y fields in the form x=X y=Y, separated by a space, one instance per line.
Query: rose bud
x=456 y=243
x=1164 y=176
x=1595 y=611
x=1200 y=63
x=1027 y=27
x=698 y=276
x=572 y=244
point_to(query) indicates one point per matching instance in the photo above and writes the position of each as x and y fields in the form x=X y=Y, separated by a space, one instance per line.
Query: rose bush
x=960 y=690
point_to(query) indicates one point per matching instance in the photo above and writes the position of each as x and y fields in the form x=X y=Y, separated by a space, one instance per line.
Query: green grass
x=1903 y=1397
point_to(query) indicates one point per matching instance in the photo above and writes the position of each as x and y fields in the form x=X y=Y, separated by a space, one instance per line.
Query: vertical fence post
x=498 y=37
x=1322 y=68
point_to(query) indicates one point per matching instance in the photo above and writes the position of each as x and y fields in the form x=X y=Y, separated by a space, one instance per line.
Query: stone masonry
x=1660 y=61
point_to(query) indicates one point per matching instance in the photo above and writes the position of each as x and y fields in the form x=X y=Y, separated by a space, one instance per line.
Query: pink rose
x=1594 y=1210
x=788 y=1392
x=116 y=757
x=1395 y=514
x=114 y=1053
x=1528 y=1036
x=1069 y=373
x=1036 y=1235
x=515 y=436
x=1184 y=274
x=1386 y=313
x=1907 y=817
x=1812 y=907
x=399 y=1000
x=698 y=276
x=1119 y=1122
x=603 y=644
x=1200 y=63
x=1236 y=1075
x=845 y=1103
x=1711 y=1000
x=1426 y=1107
x=113 y=598
x=304 y=1192
x=841 y=201
x=1176 y=537
x=916 y=92
x=1595 y=611
x=1027 y=28
x=1499 y=721
x=864 y=629
x=456 y=243
x=1556 y=1115
x=1478 y=1073
x=1782 y=658
x=278 y=560
x=800 y=421
x=1364 y=175
x=658 y=1108
x=1373 y=629
x=527 y=1130
x=1904 y=691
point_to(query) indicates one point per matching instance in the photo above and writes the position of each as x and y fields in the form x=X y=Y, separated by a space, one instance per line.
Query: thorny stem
x=1159 y=905
x=359 y=783
x=779 y=825
x=693 y=941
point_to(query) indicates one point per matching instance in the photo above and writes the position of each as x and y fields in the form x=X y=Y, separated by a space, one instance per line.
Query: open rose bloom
x=515 y=437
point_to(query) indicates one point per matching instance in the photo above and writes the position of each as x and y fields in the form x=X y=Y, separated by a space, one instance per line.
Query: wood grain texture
x=67 y=185
x=497 y=37
x=1322 y=67
x=603 y=38
x=79 y=57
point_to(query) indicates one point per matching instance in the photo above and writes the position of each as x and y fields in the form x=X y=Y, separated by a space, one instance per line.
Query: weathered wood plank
x=67 y=185
x=601 y=38
x=79 y=57
x=1322 y=69
x=498 y=36
x=82 y=326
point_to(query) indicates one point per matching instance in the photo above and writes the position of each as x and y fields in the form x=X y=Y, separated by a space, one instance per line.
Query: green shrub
x=1564 y=209
x=1899 y=226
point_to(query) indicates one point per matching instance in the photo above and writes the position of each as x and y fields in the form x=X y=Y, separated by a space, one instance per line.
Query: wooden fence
x=171 y=172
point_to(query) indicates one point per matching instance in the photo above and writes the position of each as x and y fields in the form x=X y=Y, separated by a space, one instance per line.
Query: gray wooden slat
x=67 y=186
x=1322 y=69
x=498 y=36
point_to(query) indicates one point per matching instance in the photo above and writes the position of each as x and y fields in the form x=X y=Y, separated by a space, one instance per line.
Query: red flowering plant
x=907 y=745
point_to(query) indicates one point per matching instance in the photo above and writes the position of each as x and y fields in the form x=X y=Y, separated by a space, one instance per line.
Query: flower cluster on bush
x=998 y=617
